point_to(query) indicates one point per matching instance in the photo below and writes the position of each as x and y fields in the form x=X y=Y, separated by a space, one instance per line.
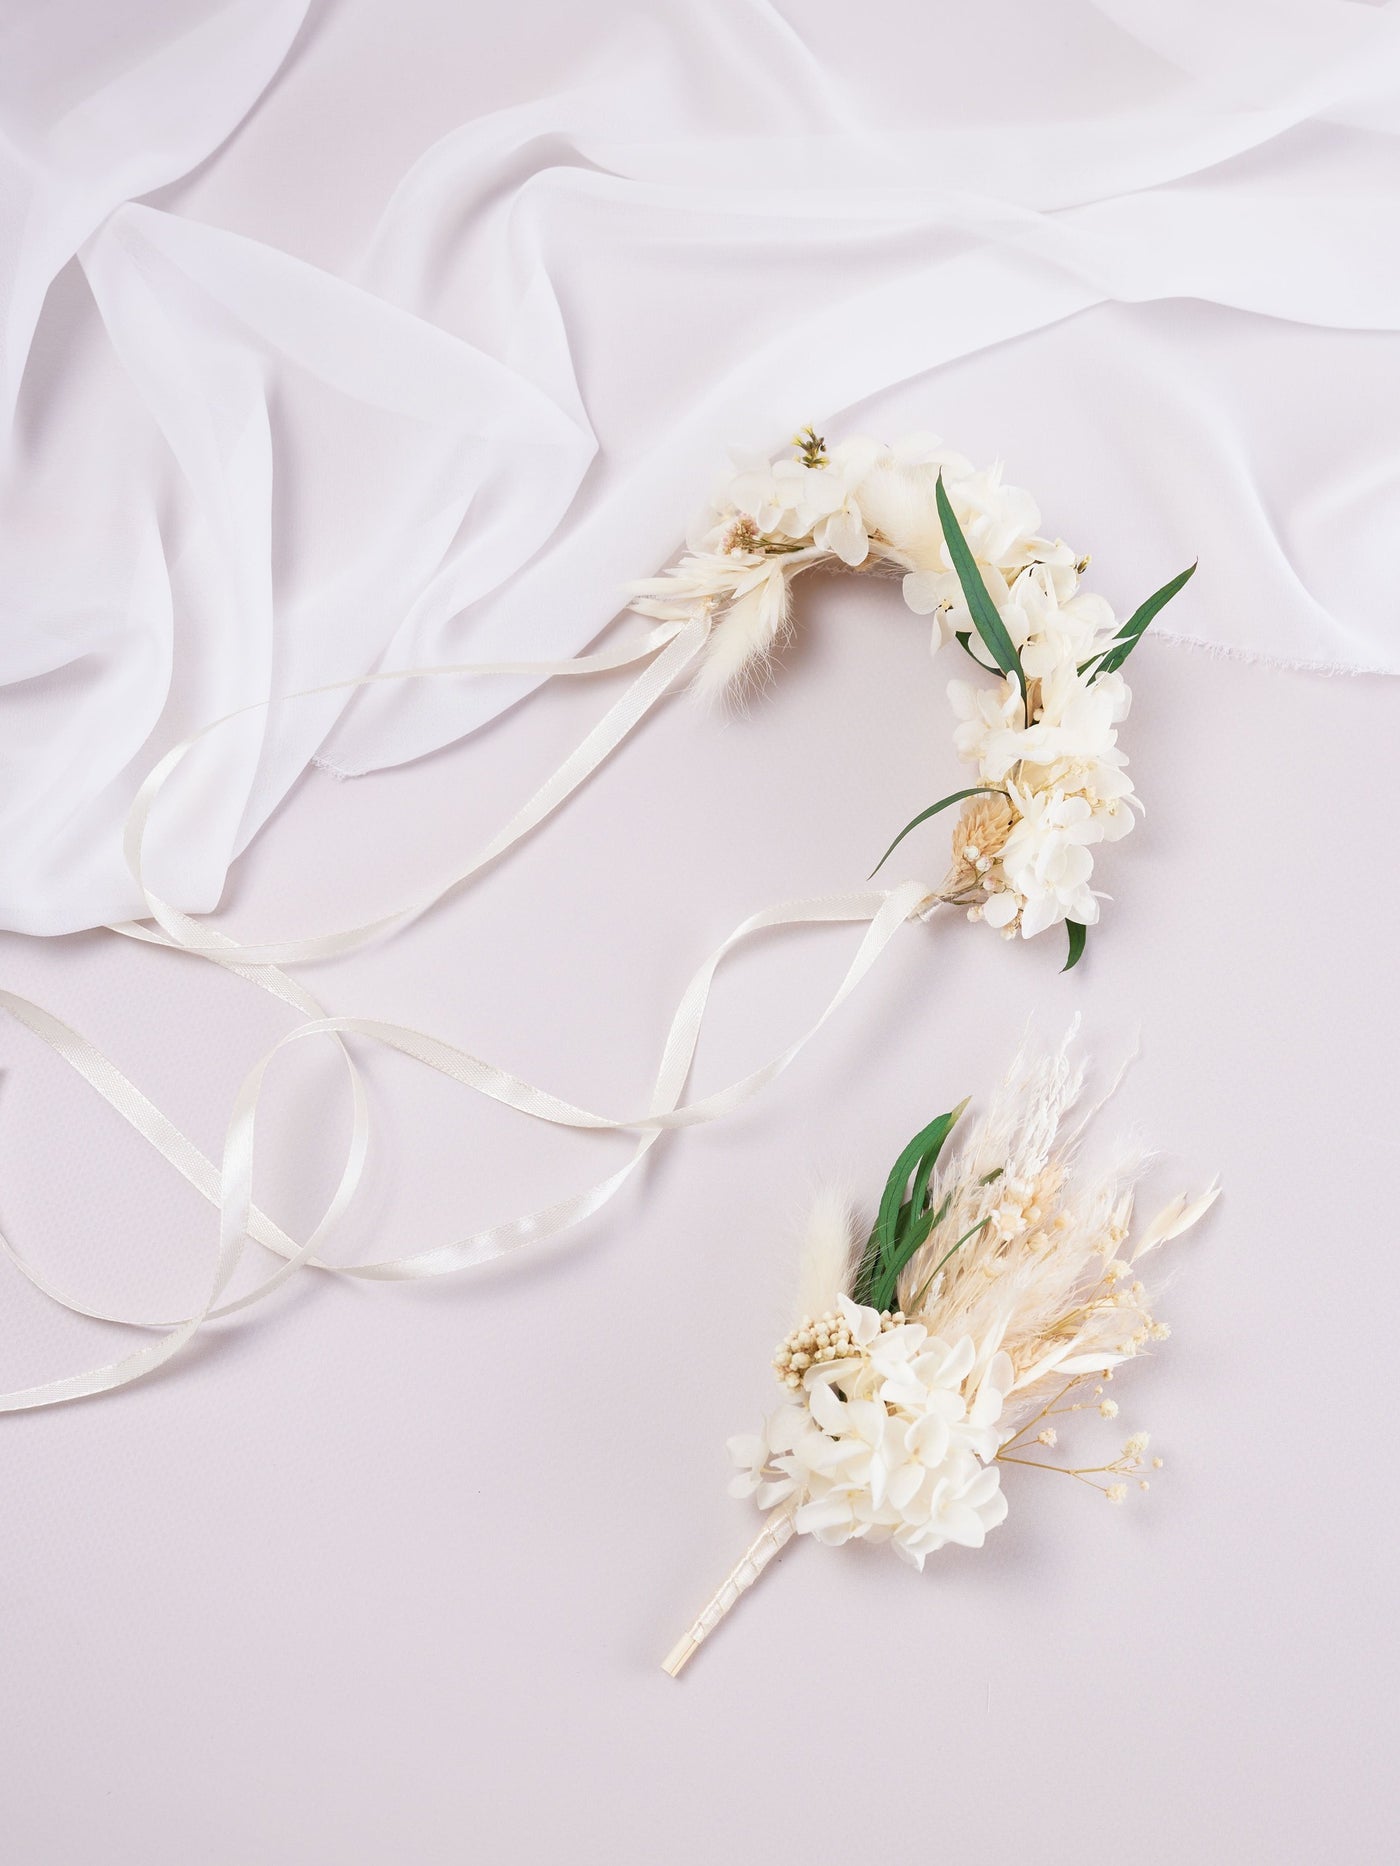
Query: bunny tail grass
x=828 y=1244
x=776 y=1533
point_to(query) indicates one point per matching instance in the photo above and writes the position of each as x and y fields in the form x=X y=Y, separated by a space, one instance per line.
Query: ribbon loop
x=229 y=1187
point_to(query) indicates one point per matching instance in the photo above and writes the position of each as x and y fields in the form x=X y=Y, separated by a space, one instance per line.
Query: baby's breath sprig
x=1039 y=1432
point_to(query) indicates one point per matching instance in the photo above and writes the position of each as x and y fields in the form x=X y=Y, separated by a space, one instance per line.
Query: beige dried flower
x=979 y=835
x=823 y=1339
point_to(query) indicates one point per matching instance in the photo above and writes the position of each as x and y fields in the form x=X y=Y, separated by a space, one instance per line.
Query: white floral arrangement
x=1052 y=782
x=992 y=1300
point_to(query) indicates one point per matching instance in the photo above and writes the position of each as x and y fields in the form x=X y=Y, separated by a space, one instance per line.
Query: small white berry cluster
x=978 y=839
x=992 y=882
x=827 y=1338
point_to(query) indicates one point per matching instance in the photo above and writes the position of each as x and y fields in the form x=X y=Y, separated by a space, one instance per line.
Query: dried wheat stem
x=775 y=1534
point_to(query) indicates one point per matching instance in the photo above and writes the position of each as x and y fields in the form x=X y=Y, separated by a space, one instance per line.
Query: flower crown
x=1052 y=781
x=990 y=1300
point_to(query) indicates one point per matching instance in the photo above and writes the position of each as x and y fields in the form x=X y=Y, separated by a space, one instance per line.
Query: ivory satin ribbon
x=672 y=651
x=676 y=647
x=229 y=1186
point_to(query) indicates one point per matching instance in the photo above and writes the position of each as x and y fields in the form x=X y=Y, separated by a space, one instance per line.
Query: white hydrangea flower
x=1075 y=723
x=938 y=593
x=991 y=731
x=896 y=1442
x=787 y=499
x=1051 y=624
x=1063 y=777
x=1046 y=861
x=897 y=493
x=1078 y=718
x=765 y=1468
x=1000 y=524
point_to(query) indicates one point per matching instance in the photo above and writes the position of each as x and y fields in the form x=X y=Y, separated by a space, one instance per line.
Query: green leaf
x=904 y=1226
x=908 y=1244
x=895 y=1211
x=991 y=790
x=1078 y=933
x=918 y=1199
x=922 y=1151
x=980 y=606
x=1134 y=628
x=899 y=1228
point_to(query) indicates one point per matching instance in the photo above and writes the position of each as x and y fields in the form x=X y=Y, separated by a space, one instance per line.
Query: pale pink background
x=386 y=1573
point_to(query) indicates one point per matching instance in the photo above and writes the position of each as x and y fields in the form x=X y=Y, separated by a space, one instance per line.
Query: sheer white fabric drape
x=319 y=359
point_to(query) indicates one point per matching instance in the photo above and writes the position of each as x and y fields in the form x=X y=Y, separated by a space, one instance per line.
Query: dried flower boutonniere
x=1051 y=780
x=992 y=1299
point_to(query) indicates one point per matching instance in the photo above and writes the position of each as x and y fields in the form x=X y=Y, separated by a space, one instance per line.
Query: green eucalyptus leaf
x=991 y=790
x=1078 y=933
x=981 y=608
x=1134 y=628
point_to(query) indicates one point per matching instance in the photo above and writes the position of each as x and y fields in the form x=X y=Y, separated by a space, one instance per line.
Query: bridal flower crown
x=1052 y=783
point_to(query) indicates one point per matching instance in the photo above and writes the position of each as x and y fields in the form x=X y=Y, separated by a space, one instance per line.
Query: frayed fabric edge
x=1255 y=658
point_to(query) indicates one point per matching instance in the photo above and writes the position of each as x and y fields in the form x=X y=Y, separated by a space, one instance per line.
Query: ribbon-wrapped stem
x=777 y=1531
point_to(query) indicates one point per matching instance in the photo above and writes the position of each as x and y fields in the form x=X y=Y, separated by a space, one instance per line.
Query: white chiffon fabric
x=317 y=361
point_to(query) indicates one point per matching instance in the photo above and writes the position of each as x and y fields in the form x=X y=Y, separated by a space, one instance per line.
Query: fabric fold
x=264 y=470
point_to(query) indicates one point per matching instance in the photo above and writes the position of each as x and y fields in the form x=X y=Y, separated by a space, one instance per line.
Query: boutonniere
x=960 y=1343
x=1052 y=782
